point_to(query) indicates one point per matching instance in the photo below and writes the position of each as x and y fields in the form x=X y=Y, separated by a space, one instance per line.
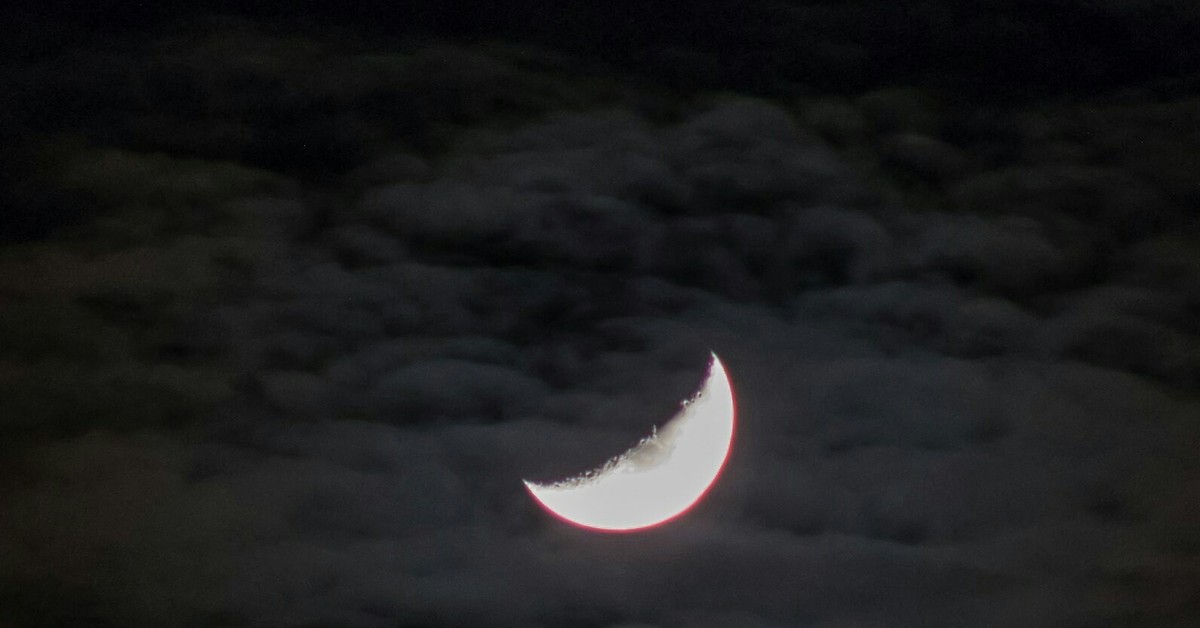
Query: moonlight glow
x=660 y=478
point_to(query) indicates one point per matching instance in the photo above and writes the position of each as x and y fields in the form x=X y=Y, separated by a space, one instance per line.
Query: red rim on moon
x=660 y=478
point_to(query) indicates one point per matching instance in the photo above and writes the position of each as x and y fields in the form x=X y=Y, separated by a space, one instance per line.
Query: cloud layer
x=291 y=370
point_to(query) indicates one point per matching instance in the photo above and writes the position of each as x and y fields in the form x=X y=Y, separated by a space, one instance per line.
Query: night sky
x=294 y=295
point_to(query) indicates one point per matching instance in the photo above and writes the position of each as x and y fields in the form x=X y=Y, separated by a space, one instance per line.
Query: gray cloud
x=246 y=395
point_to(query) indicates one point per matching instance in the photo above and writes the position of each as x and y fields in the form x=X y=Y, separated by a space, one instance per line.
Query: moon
x=661 y=477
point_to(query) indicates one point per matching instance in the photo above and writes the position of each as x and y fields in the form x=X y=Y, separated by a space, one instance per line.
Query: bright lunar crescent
x=661 y=477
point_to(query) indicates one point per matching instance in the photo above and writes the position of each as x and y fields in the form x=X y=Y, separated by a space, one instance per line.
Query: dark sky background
x=292 y=297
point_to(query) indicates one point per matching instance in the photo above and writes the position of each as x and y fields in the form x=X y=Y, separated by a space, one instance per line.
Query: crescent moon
x=660 y=478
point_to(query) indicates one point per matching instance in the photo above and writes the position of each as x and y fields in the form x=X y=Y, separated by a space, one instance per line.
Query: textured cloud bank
x=244 y=395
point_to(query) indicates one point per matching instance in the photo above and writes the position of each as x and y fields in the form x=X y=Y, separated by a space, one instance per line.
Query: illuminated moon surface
x=661 y=477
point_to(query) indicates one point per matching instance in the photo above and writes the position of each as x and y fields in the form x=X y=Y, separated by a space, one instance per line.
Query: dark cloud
x=324 y=307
